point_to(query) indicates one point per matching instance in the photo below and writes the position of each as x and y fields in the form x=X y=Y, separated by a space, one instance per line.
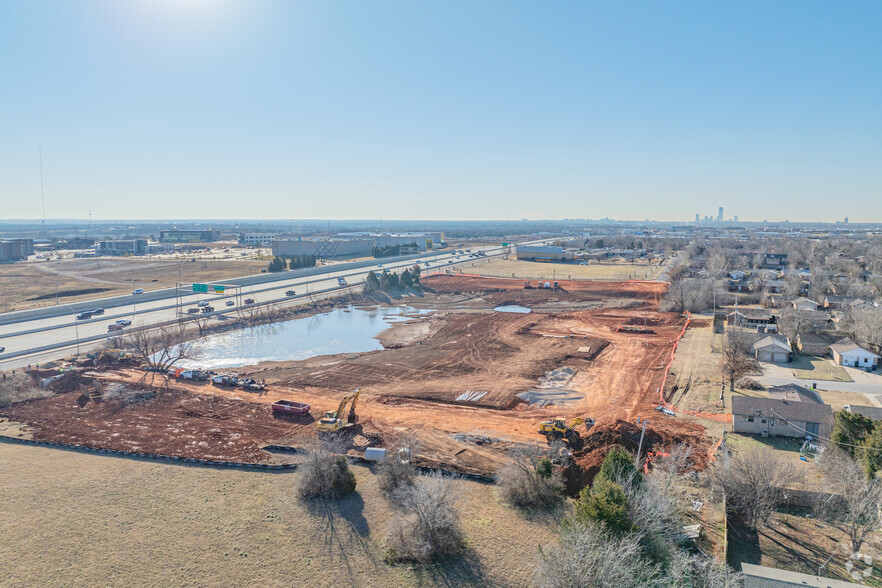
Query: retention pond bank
x=344 y=330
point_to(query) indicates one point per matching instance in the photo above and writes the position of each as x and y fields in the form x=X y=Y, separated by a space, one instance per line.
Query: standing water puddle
x=344 y=330
x=512 y=308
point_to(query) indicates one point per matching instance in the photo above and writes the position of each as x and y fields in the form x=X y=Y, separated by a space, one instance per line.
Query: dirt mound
x=70 y=382
x=587 y=460
x=500 y=291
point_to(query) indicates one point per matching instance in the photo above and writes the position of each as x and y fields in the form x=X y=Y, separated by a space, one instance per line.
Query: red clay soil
x=171 y=423
x=660 y=435
x=507 y=291
x=414 y=389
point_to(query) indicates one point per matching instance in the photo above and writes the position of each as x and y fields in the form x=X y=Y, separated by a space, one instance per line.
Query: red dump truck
x=290 y=407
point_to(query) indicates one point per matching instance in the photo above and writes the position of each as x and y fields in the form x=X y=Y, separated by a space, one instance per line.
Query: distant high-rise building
x=697 y=218
x=736 y=218
x=720 y=215
x=846 y=220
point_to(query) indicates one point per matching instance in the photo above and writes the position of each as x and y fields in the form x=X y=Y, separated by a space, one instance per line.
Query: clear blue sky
x=253 y=109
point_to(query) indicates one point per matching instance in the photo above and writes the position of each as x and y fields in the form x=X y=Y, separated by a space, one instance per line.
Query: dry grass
x=809 y=367
x=24 y=281
x=120 y=522
x=802 y=544
x=508 y=268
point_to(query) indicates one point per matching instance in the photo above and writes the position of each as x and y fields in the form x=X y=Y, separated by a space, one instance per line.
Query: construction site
x=582 y=361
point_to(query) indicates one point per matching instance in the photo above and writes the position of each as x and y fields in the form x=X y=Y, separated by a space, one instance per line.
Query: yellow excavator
x=558 y=429
x=335 y=420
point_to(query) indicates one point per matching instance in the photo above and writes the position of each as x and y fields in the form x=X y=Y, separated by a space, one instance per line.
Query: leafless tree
x=700 y=571
x=586 y=555
x=319 y=475
x=792 y=323
x=855 y=506
x=428 y=528
x=159 y=349
x=529 y=479
x=737 y=357
x=755 y=484
x=396 y=470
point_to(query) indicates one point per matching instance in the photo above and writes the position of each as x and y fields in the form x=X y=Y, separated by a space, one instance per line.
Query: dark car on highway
x=84 y=315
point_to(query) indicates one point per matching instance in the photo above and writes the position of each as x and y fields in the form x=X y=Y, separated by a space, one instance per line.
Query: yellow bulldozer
x=558 y=429
x=335 y=420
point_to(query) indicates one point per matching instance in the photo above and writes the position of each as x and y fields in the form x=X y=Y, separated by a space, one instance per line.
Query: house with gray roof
x=772 y=417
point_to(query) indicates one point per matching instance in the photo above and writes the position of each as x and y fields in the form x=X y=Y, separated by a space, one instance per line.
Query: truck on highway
x=84 y=316
x=192 y=310
x=114 y=327
x=290 y=293
x=207 y=309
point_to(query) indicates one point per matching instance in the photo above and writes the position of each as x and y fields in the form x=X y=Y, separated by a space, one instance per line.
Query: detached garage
x=773 y=349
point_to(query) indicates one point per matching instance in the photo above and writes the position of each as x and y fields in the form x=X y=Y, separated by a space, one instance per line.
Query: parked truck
x=290 y=407
x=225 y=380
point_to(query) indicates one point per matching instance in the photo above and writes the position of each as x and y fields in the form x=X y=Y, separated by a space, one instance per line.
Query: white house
x=847 y=352
x=737 y=275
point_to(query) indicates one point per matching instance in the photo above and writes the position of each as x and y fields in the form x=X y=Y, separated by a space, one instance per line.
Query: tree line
x=280 y=264
x=387 y=282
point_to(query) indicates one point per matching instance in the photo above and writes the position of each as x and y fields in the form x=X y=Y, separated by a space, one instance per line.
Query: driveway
x=868 y=384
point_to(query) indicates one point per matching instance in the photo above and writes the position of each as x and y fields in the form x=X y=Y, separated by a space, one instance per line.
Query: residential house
x=833 y=302
x=783 y=418
x=776 y=286
x=751 y=318
x=814 y=344
x=737 y=275
x=775 y=260
x=848 y=353
x=773 y=349
x=803 y=303
x=763 y=577
x=871 y=412
x=794 y=393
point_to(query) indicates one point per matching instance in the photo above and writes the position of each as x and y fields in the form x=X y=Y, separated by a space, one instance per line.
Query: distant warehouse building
x=545 y=253
x=122 y=247
x=264 y=239
x=16 y=249
x=423 y=240
x=323 y=248
x=198 y=236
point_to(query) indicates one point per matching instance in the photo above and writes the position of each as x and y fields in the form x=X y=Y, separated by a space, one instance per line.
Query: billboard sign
x=429 y=245
x=219 y=289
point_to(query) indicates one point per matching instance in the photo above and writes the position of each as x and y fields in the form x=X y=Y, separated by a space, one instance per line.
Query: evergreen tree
x=871 y=452
x=850 y=429
x=406 y=280
x=604 y=502
x=372 y=283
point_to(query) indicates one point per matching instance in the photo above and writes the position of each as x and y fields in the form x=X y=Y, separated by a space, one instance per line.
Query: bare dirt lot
x=29 y=285
x=508 y=268
x=453 y=380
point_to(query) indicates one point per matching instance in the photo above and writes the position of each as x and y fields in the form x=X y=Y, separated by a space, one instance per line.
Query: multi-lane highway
x=44 y=334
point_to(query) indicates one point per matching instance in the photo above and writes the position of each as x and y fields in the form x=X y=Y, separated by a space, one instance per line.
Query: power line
x=806 y=431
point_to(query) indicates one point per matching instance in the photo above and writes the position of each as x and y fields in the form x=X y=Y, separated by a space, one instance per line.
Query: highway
x=32 y=337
